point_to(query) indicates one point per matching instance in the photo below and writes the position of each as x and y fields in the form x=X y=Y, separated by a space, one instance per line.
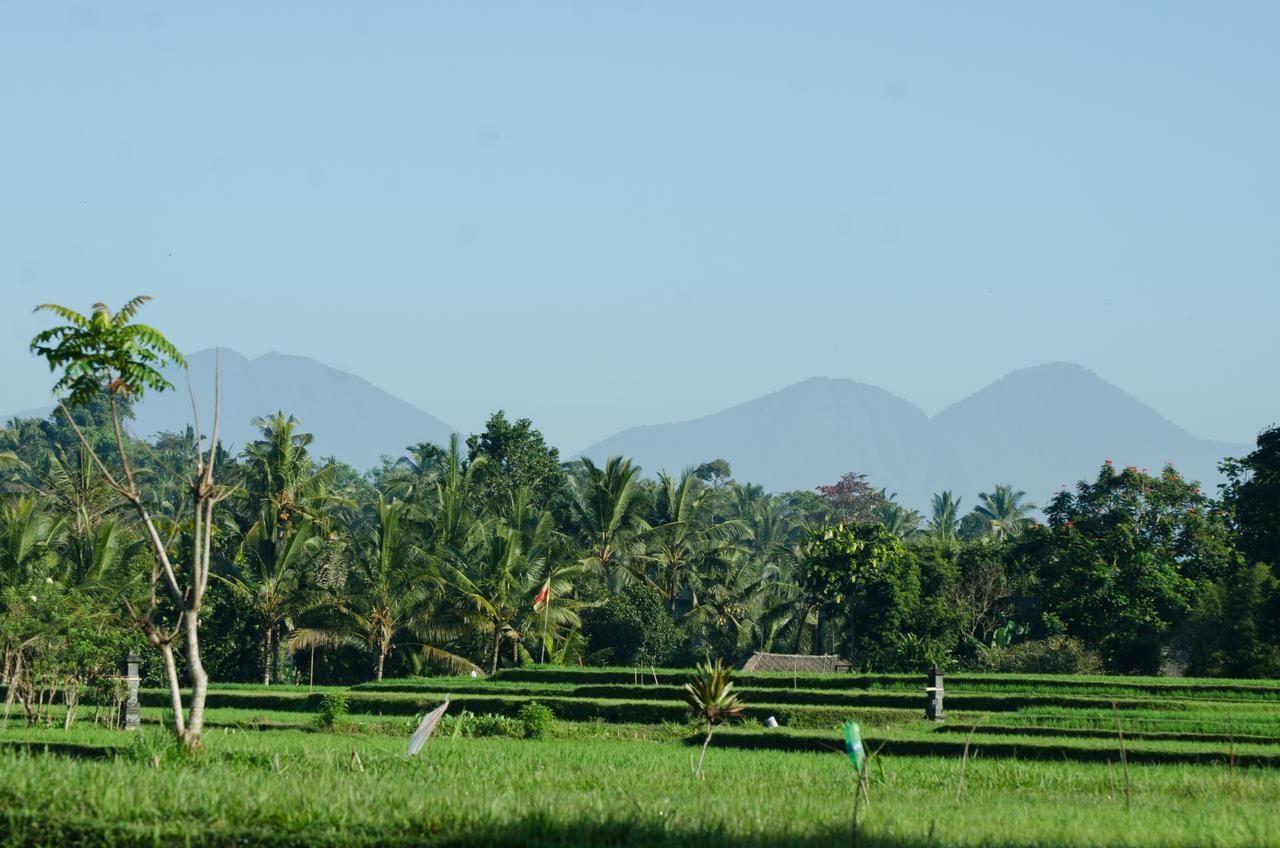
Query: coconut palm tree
x=610 y=511
x=553 y=571
x=394 y=597
x=946 y=512
x=899 y=520
x=501 y=576
x=728 y=597
x=414 y=476
x=11 y=470
x=97 y=558
x=267 y=575
x=449 y=522
x=29 y=538
x=683 y=536
x=281 y=472
x=1005 y=512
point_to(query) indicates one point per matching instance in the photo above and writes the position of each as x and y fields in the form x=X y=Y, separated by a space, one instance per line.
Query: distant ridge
x=351 y=418
x=1038 y=428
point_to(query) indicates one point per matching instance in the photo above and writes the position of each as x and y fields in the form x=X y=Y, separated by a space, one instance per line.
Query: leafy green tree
x=717 y=473
x=840 y=561
x=1122 y=559
x=890 y=599
x=633 y=628
x=1237 y=626
x=1252 y=495
x=516 y=457
x=58 y=641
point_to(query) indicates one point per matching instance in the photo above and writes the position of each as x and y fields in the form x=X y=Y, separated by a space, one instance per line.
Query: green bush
x=538 y=720
x=1054 y=655
x=634 y=626
x=334 y=708
x=467 y=723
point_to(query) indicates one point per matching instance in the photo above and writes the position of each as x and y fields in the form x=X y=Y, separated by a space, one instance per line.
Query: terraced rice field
x=1041 y=757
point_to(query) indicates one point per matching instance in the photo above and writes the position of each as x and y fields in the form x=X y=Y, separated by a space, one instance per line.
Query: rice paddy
x=1018 y=761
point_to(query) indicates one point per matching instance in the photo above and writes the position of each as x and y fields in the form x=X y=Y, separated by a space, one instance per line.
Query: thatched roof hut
x=796 y=663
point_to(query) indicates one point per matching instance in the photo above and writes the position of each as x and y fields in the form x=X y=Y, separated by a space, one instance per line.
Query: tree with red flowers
x=852 y=498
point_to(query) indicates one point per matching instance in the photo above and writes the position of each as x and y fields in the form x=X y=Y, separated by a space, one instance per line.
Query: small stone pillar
x=933 y=695
x=132 y=714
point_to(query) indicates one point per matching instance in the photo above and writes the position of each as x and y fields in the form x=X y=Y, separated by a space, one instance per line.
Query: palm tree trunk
x=266 y=656
x=382 y=656
x=497 y=643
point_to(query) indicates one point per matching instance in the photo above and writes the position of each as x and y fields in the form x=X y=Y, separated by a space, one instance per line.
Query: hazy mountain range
x=1039 y=428
x=350 y=417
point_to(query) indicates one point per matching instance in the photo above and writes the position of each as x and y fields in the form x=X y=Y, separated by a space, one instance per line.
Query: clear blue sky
x=604 y=214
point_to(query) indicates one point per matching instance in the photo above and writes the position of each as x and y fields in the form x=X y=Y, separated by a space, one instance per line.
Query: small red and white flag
x=544 y=595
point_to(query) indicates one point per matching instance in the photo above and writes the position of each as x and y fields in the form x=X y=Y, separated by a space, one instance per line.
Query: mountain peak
x=1033 y=427
x=350 y=417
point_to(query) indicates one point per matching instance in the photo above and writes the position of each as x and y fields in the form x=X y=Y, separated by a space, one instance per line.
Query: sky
x=598 y=215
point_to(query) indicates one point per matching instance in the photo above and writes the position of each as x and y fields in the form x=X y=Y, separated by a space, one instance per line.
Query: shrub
x=333 y=709
x=538 y=720
x=467 y=723
x=1054 y=655
x=635 y=626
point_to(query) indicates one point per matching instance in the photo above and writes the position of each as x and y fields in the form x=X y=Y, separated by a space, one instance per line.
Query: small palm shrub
x=538 y=720
x=711 y=700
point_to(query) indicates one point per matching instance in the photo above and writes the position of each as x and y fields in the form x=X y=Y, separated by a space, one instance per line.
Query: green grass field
x=1043 y=766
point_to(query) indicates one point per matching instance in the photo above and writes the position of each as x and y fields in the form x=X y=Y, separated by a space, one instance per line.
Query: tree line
x=493 y=551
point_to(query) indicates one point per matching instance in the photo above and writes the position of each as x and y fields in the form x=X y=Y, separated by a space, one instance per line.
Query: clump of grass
x=155 y=748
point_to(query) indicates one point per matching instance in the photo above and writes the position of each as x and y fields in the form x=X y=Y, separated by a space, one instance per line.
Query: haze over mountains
x=350 y=417
x=1038 y=428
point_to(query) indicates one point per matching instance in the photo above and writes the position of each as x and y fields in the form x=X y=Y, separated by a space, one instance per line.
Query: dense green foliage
x=439 y=562
x=497 y=554
x=633 y=628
